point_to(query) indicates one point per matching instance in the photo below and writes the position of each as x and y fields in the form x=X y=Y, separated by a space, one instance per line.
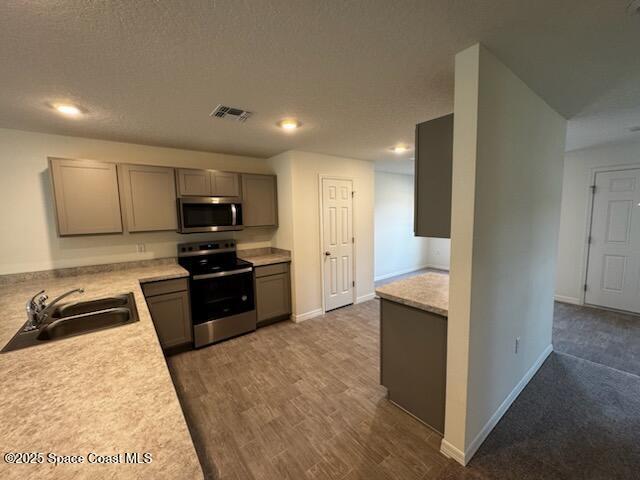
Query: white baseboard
x=438 y=267
x=301 y=317
x=464 y=457
x=399 y=272
x=365 y=298
x=572 y=300
x=450 y=451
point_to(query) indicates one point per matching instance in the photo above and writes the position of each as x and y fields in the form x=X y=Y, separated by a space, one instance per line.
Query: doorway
x=337 y=242
x=613 y=260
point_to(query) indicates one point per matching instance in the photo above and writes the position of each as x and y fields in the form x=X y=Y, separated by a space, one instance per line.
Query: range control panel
x=199 y=248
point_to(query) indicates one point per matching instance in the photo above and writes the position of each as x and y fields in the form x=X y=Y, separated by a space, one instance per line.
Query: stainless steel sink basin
x=78 y=318
x=86 y=322
x=80 y=308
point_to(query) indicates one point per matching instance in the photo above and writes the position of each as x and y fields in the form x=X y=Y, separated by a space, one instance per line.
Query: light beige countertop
x=427 y=291
x=107 y=392
x=265 y=256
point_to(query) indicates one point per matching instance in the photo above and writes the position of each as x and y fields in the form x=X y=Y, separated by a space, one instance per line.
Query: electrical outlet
x=517 y=345
x=141 y=248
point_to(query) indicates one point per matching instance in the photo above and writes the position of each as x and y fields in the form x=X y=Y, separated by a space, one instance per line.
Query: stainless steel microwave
x=209 y=214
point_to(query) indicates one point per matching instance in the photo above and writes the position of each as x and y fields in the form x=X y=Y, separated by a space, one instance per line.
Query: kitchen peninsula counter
x=413 y=345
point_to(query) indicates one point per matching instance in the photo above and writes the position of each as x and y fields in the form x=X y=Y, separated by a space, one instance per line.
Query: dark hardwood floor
x=303 y=401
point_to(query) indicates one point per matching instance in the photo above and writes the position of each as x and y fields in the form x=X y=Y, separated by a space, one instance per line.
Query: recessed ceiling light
x=67 y=109
x=289 y=124
x=399 y=149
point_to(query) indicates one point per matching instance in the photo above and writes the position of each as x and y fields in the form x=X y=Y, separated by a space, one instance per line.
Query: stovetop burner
x=210 y=257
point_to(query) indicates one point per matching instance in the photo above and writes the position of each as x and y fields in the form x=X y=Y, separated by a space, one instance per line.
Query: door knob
x=327 y=254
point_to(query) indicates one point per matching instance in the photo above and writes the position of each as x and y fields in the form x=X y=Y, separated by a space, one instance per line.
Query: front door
x=337 y=242
x=613 y=271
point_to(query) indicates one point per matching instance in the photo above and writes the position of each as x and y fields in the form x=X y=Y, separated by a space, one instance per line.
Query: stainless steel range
x=221 y=288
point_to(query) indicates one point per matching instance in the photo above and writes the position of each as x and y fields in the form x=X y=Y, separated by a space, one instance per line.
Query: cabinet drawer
x=274 y=269
x=164 y=286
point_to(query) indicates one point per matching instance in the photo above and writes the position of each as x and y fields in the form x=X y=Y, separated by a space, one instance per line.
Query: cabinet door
x=149 y=197
x=86 y=196
x=194 y=182
x=259 y=200
x=225 y=184
x=273 y=296
x=172 y=318
x=433 y=177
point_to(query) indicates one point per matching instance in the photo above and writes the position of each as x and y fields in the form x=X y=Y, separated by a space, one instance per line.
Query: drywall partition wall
x=282 y=166
x=507 y=179
x=397 y=250
x=29 y=240
x=579 y=168
x=304 y=235
x=439 y=254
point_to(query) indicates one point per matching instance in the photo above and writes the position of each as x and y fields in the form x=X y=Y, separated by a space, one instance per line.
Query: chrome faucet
x=38 y=310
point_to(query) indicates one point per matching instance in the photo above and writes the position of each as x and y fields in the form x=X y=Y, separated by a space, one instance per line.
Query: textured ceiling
x=358 y=74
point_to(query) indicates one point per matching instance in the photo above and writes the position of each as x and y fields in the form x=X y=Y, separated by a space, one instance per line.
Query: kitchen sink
x=76 y=319
x=91 y=306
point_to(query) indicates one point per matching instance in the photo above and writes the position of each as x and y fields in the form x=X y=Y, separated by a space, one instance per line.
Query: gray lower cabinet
x=413 y=360
x=273 y=293
x=259 y=200
x=170 y=311
x=433 y=177
x=86 y=196
x=148 y=197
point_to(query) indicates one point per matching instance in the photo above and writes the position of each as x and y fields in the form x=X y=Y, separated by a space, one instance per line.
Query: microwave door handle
x=233 y=214
x=222 y=274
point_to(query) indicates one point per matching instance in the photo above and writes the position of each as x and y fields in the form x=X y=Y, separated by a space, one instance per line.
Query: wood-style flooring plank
x=302 y=401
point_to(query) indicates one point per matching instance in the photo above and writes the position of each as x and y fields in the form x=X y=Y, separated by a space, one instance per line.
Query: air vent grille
x=231 y=113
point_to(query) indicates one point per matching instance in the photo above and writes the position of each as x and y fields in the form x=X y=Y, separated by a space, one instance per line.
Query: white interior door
x=337 y=242
x=613 y=272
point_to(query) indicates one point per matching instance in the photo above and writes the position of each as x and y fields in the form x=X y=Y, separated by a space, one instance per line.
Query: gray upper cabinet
x=225 y=184
x=148 y=197
x=259 y=200
x=207 y=183
x=433 y=176
x=193 y=182
x=86 y=196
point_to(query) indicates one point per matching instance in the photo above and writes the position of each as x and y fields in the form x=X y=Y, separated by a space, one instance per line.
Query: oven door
x=221 y=294
x=209 y=214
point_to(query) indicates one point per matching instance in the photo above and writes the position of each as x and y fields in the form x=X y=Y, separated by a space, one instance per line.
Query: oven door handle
x=222 y=274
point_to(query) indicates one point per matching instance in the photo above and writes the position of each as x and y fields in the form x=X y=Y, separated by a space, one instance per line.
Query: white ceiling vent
x=231 y=113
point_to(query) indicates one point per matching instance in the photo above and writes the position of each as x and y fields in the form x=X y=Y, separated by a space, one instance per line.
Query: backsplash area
x=70 y=252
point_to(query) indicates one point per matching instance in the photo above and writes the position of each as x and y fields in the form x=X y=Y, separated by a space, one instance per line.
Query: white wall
x=29 y=240
x=439 y=254
x=579 y=166
x=507 y=179
x=303 y=238
x=397 y=250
